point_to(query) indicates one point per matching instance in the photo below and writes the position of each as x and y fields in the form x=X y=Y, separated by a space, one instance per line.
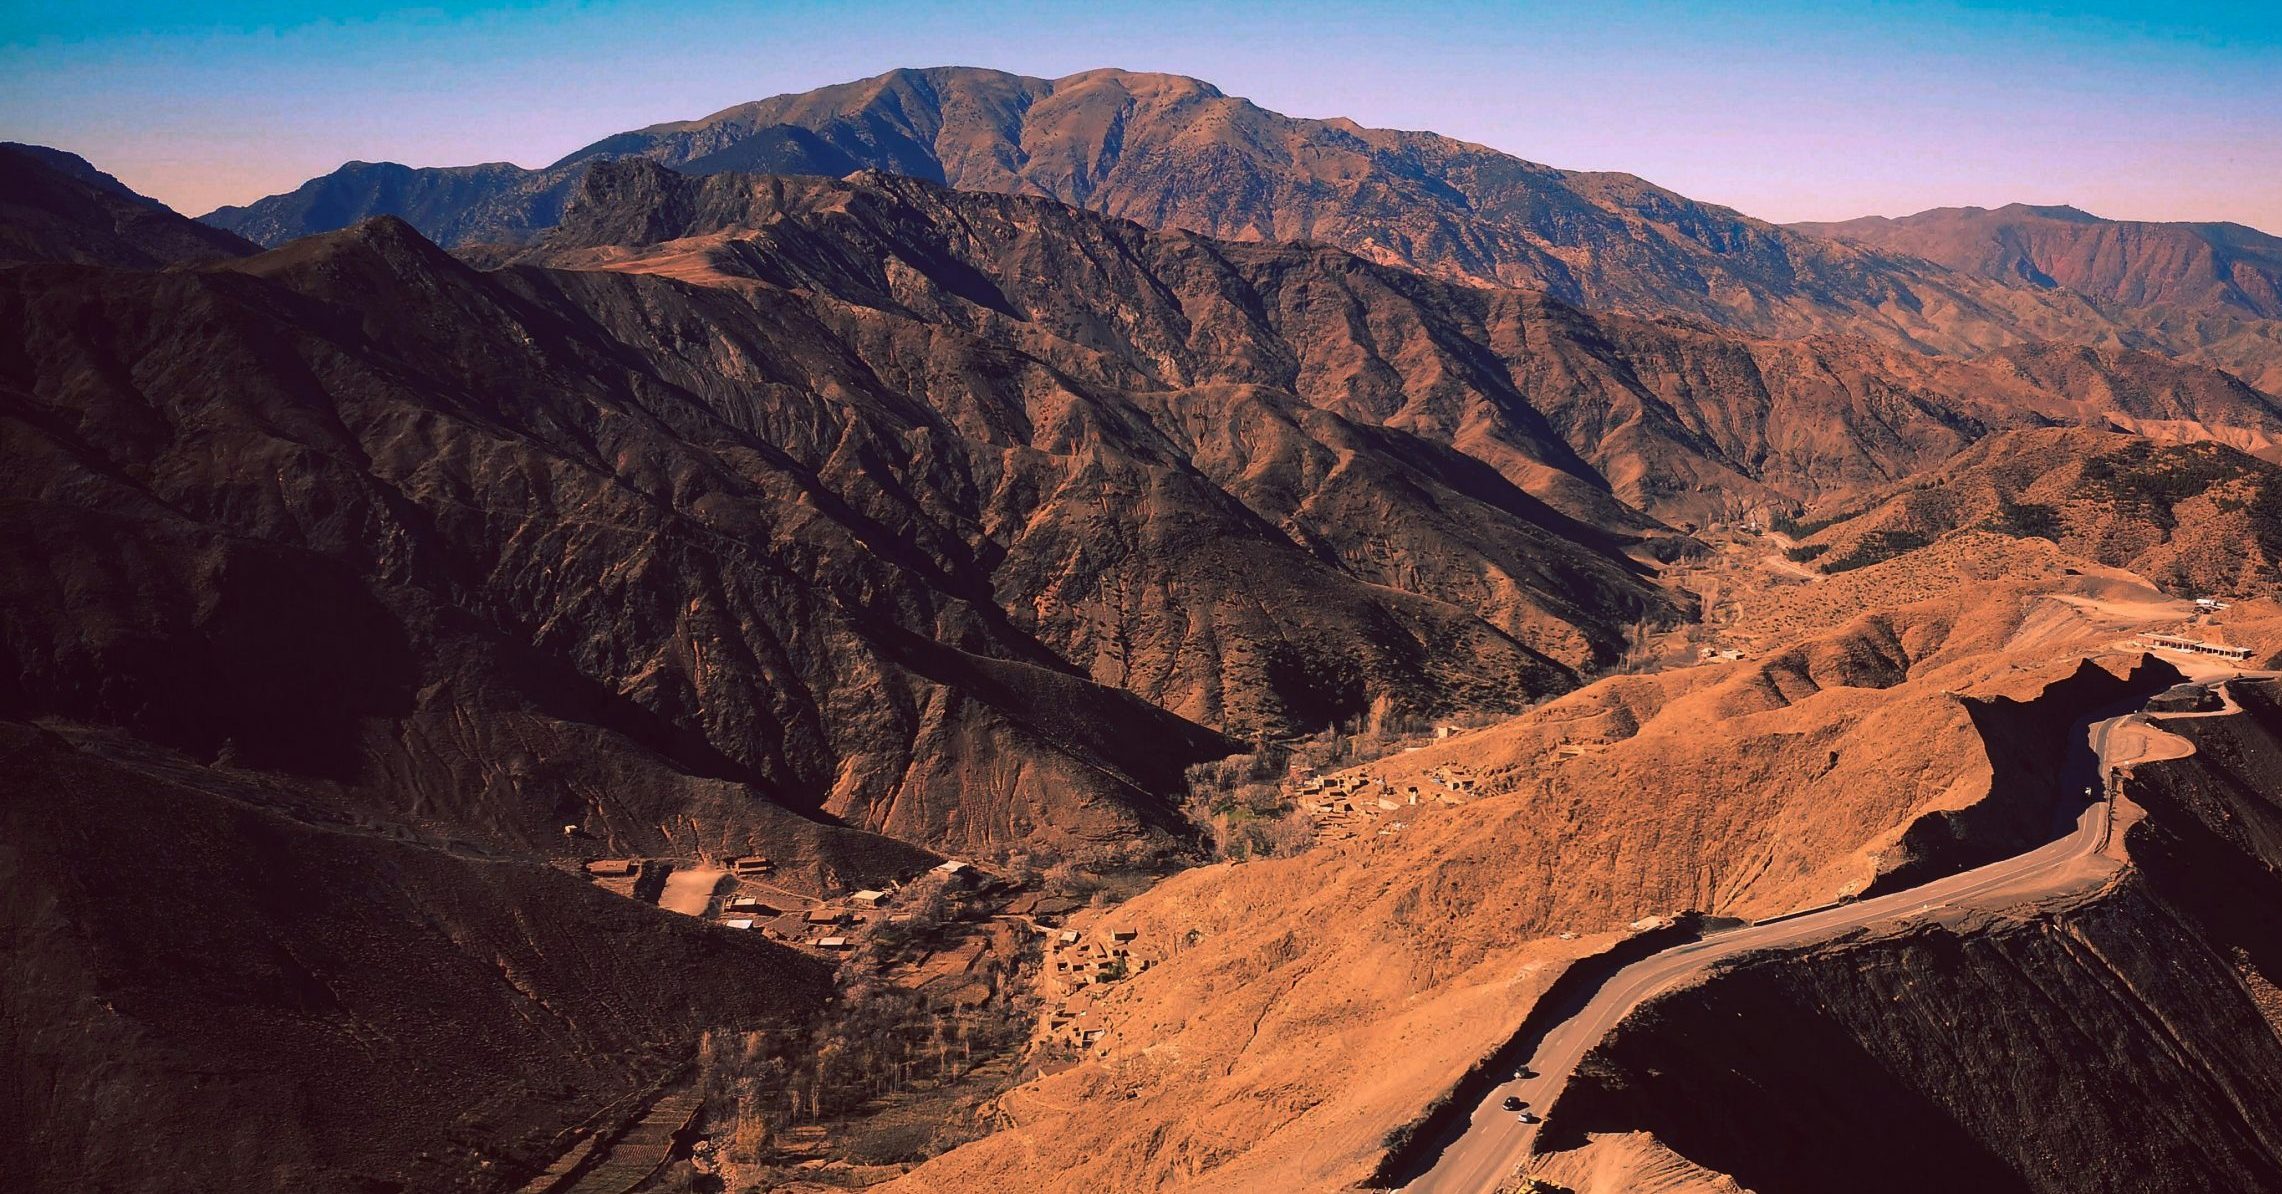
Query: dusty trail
x=1494 y=1142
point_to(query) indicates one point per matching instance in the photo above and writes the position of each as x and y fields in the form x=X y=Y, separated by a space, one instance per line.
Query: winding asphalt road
x=1495 y=1142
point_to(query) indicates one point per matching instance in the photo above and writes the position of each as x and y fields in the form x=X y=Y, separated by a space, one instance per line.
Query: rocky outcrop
x=2041 y=766
x=2128 y=1040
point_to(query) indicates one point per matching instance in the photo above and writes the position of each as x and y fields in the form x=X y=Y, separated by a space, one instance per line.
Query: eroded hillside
x=2224 y=281
x=357 y=593
x=1675 y=421
x=2196 y=517
x=1315 y=1005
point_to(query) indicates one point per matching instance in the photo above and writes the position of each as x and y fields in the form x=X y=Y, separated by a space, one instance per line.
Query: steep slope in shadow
x=54 y=206
x=501 y=516
x=209 y=987
x=2040 y=766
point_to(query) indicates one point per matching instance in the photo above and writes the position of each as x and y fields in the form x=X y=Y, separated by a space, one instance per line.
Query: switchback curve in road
x=1495 y=1143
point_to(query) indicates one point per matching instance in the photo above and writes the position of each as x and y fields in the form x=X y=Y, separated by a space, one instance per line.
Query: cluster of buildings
x=1352 y=805
x=2194 y=646
x=1075 y=966
x=816 y=923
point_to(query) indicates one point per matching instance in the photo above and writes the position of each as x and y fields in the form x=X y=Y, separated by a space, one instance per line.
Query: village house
x=2175 y=642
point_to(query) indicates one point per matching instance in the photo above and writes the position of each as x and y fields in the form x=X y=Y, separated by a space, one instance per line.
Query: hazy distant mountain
x=54 y=206
x=1174 y=152
x=2217 y=284
x=2128 y=262
x=75 y=166
x=494 y=202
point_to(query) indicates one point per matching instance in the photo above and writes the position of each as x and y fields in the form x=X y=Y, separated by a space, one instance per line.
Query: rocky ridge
x=2221 y=283
x=1177 y=153
x=2198 y=517
x=54 y=206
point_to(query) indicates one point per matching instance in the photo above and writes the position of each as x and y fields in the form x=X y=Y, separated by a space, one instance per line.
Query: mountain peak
x=1169 y=151
x=383 y=244
x=2057 y=211
x=1139 y=80
x=72 y=165
x=2124 y=264
x=56 y=206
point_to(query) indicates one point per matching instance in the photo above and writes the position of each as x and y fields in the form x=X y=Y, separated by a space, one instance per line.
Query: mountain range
x=2214 y=283
x=691 y=470
x=1176 y=153
x=960 y=464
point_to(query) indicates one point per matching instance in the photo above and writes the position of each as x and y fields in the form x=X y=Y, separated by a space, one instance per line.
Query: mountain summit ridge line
x=1173 y=152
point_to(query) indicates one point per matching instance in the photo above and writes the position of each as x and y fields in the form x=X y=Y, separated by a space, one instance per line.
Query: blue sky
x=1785 y=110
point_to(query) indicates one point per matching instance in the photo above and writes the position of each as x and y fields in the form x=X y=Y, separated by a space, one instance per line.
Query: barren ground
x=1311 y=1005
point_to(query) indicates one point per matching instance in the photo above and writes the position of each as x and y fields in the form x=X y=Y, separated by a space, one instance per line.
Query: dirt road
x=1495 y=1142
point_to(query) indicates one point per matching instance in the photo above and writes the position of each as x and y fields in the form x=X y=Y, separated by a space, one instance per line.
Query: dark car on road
x=1514 y=1103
